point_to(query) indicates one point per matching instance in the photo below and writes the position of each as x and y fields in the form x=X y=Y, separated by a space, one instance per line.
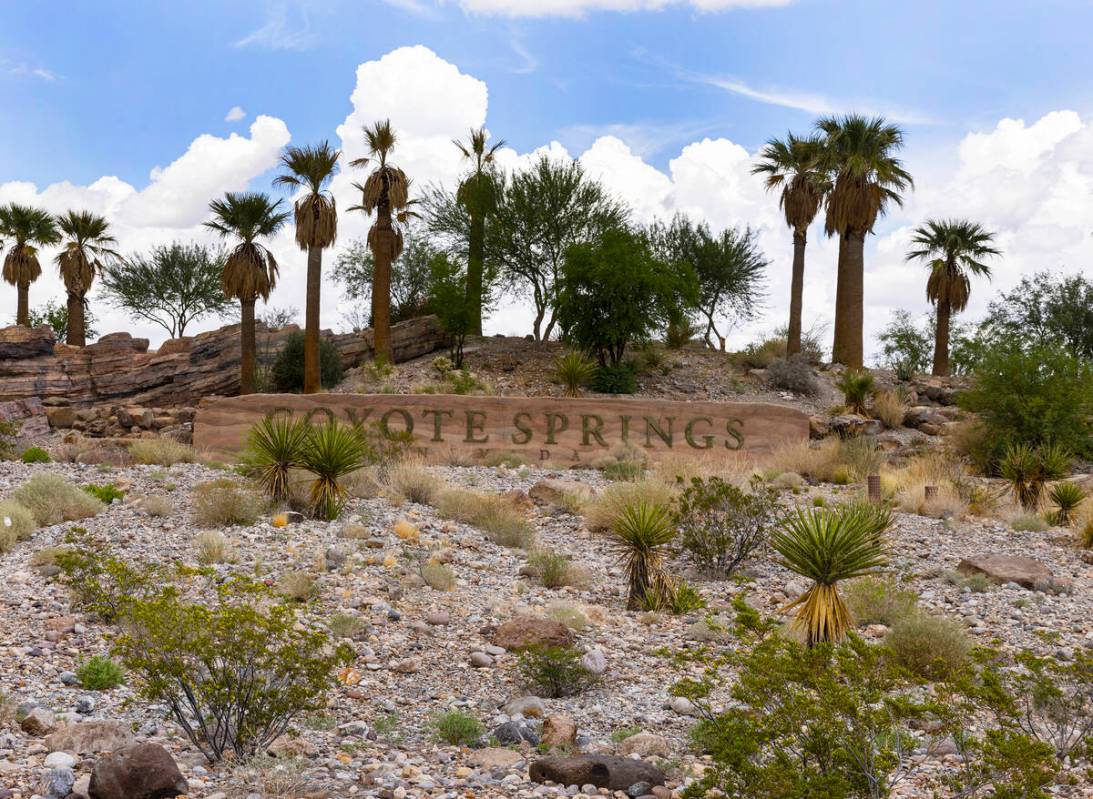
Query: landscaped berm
x=625 y=556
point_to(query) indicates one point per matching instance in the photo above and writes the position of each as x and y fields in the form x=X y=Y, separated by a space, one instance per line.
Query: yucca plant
x=1066 y=497
x=640 y=535
x=573 y=370
x=856 y=388
x=276 y=446
x=332 y=451
x=1027 y=469
x=827 y=547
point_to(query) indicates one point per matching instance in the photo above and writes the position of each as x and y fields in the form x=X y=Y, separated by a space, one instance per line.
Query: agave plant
x=1066 y=497
x=1027 y=469
x=573 y=370
x=856 y=387
x=332 y=451
x=640 y=535
x=277 y=445
x=827 y=547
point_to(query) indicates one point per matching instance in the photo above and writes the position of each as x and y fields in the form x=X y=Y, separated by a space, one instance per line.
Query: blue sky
x=120 y=88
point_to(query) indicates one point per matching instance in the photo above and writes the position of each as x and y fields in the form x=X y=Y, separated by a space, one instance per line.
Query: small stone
x=559 y=731
x=480 y=660
x=645 y=744
x=438 y=618
x=59 y=760
x=38 y=721
x=85 y=705
x=68 y=678
x=682 y=705
x=595 y=661
x=528 y=706
x=58 y=783
x=406 y=666
x=515 y=732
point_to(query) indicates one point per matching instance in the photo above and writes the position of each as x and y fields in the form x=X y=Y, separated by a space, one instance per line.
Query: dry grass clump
x=299 y=586
x=1029 y=523
x=932 y=647
x=1083 y=524
x=212 y=547
x=889 y=407
x=568 y=614
x=155 y=505
x=225 y=502
x=161 y=452
x=907 y=486
x=409 y=481
x=601 y=512
x=355 y=532
x=555 y=569
x=407 y=531
x=362 y=484
x=490 y=513
x=735 y=467
x=16 y=524
x=816 y=462
x=438 y=576
x=878 y=600
x=51 y=499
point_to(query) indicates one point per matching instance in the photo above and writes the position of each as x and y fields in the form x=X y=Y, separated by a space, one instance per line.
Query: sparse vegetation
x=161 y=452
x=722 y=526
x=224 y=502
x=931 y=647
x=297 y=586
x=889 y=407
x=17 y=524
x=555 y=672
x=211 y=547
x=491 y=514
x=51 y=499
x=438 y=576
x=793 y=374
x=603 y=511
x=856 y=388
x=100 y=673
x=878 y=600
x=35 y=455
x=409 y=480
x=457 y=728
x=553 y=569
x=105 y=493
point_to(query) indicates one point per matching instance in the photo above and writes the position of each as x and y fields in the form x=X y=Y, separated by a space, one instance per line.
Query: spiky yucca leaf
x=640 y=536
x=856 y=387
x=828 y=546
x=573 y=370
x=276 y=445
x=332 y=451
x=1066 y=497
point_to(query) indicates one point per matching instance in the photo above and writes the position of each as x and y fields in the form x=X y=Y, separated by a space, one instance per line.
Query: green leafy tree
x=795 y=166
x=453 y=304
x=614 y=292
x=1045 y=309
x=354 y=269
x=542 y=211
x=56 y=316
x=906 y=346
x=860 y=154
x=87 y=241
x=289 y=370
x=310 y=169
x=171 y=285
x=954 y=249
x=25 y=229
x=250 y=270
x=477 y=193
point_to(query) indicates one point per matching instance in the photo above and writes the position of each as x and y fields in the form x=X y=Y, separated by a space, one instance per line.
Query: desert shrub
x=287 y=371
x=573 y=371
x=51 y=499
x=1028 y=469
x=722 y=526
x=856 y=387
x=407 y=531
x=457 y=728
x=438 y=576
x=493 y=515
x=617 y=378
x=640 y=537
x=1028 y=523
x=161 y=452
x=815 y=462
x=344 y=625
x=16 y=524
x=1066 y=497
x=948 y=504
x=878 y=600
x=829 y=547
x=100 y=673
x=410 y=481
x=793 y=374
x=331 y=452
x=860 y=456
x=362 y=484
x=553 y=569
x=761 y=354
x=211 y=547
x=889 y=407
x=155 y=505
x=297 y=586
x=224 y=502
x=1033 y=397
x=603 y=511
x=554 y=672
x=974 y=583
x=244 y=668
x=570 y=615
x=678 y=598
x=9 y=430
x=275 y=447
x=35 y=455
x=624 y=470
x=105 y=493
x=1083 y=524
x=931 y=647
x=104 y=584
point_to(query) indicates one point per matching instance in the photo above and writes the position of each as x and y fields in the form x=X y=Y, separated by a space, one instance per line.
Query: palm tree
x=954 y=248
x=385 y=191
x=794 y=165
x=88 y=240
x=250 y=270
x=477 y=193
x=30 y=228
x=860 y=154
x=311 y=168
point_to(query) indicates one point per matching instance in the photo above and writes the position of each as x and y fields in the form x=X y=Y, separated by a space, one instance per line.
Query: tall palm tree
x=477 y=193
x=29 y=228
x=311 y=169
x=860 y=153
x=954 y=248
x=794 y=165
x=385 y=191
x=88 y=240
x=250 y=270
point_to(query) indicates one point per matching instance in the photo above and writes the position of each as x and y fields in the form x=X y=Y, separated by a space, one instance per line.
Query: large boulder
x=26 y=342
x=1025 y=572
x=91 y=737
x=527 y=632
x=28 y=414
x=140 y=771
x=603 y=771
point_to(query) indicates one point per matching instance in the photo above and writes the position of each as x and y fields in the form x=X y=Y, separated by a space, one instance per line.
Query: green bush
x=102 y=583
x=721 y=526
x=35 y=455
x=51 y=499
x=100 y=673
x=615 y=379
x=457 y=728
x=244 y=665
x=16 y=524
x=554 y=672
x=856 y=388
x=878 y=600
x=106 y=493
x=931 y=647
x=1032 y=398
x=287 y=372
x=552 y=569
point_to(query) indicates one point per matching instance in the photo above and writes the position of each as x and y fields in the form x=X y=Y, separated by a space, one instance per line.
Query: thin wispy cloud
x=235 y=114
x=528 y=62
x=287 y=27
x=579 y=8
x=33 y=72
x=419 y=8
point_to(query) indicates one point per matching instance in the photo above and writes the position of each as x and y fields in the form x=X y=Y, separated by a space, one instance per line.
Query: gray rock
x=58 y=783
x=68 y=678
x=595 y=661
x=531 y=707
x=480 y=660
x=85 y=705
x=38 y=721
x=515 y=732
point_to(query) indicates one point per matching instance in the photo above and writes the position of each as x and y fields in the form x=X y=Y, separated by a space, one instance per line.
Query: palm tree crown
x=954 y=248
x=795 y=165
x=478 y=189
x=387 y=181
x=311 y=168
x=88 y=239
x=29 y=228
x=251 y=269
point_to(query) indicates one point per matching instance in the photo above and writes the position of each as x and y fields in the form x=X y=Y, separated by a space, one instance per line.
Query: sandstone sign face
x=540 y=428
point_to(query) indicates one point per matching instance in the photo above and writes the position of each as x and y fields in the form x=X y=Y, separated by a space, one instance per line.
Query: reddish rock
x=1025 y=572
x=525 y=632
x=603 y=771
x=140 y=771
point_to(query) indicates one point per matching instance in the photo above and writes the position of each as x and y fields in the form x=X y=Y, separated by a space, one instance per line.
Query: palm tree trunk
x=312 y=376
x=247 y=347
x=22 y=309
x=381 y=280
x=849 y=301
x=475 y=264
x=941 y=339
x=796 y=293
x=76 y=335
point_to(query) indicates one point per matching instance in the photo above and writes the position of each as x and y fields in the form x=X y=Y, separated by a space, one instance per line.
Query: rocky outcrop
x=119 y=369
